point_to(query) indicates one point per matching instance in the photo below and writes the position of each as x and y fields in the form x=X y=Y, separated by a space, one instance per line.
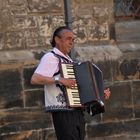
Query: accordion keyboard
x=72 y=93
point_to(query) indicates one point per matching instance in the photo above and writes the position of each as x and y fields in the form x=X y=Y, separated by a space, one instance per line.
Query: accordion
x=88 y=91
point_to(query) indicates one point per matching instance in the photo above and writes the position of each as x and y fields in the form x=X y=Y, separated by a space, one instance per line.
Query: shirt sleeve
x=48 y=65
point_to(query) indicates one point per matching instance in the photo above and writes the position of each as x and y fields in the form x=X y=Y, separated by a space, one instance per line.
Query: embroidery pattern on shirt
x=60 y=98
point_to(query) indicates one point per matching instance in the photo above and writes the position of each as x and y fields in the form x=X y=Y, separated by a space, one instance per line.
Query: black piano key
x=74 y=92
x=67 y=67
x=71 y=74
x=76 y=101
x=75 y=97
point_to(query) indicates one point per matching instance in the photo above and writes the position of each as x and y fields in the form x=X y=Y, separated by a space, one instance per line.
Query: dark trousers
x=69 y=125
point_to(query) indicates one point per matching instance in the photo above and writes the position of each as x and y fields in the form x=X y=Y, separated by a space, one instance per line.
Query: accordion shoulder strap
x=60 y=57
x=94 y=81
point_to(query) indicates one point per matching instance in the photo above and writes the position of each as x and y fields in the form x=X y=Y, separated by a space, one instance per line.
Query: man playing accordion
x=68 y=121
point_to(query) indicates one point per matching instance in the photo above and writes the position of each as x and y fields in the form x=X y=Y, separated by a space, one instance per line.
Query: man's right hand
x=68 y=82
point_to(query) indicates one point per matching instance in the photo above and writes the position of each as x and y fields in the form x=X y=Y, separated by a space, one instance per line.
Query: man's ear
x=57 y=39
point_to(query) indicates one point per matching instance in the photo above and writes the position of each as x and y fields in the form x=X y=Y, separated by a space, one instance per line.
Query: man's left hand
x=107 y=93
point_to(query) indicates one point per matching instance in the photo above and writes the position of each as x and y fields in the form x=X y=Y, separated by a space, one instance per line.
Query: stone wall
x=25 y=32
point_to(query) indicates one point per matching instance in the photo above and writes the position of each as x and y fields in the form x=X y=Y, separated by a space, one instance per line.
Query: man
x=68 y=122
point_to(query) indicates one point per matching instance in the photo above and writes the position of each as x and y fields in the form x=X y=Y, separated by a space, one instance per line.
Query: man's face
x=66 y=41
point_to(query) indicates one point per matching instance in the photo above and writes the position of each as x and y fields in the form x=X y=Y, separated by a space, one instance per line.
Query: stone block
x=34 y=98
x=33 y=39
x=114 y=128
x=136 y=96
x=128 y=69
x=31 y=23
x=6 y=18
x=106 y=68
x=92 y=119
x=27 y=74
x=16 y=3
x=14 y=39
x=10 y=89
x=2 y=37
x=120 y=105
x=98 y=53
x=118 y=137
x=45 y=6
x=24 y=119
x=127 y=31
x=31 y=135
x=10 y=59
x=19 y=20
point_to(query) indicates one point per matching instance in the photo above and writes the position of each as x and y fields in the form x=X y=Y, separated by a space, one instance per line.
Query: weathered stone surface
x=136 y=96
x=10 y=89
x=19 y=22
x=87 y=24
x=24 y=15
x=117 y=137
x=3 y=4
x=34 y=98
x=127 y=69
x=106 y=67
x=18 y=57
x=2 y=41
x=92 y=119
x=127 y=31
x=47 y=6
x=23 y=119
x=114 y=128
x=6 y=21
x=32 y=135
x=14 y=40
x=33 y=40
x=27 y=74
x=130 y=69
x=16 y=3
x=47 y=25
x=31 y=22
x=120 y=105
x=98 y=53
x=129 y=47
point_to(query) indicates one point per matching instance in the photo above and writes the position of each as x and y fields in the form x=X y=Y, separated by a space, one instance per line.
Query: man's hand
x=68 y=82
x=107 y=93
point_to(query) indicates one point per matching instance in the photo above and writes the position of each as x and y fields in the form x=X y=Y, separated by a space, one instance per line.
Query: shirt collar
x=57 y=51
